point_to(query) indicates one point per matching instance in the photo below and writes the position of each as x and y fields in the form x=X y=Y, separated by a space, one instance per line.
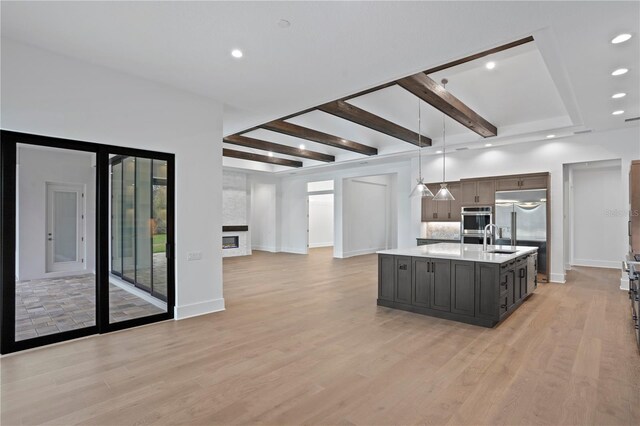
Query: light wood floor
x=302 y=341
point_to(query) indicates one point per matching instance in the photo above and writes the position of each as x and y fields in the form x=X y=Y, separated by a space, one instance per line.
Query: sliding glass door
x=87 y=232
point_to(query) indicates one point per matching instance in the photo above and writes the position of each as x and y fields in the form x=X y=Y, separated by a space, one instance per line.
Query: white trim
x=130 y=288
x=294 y=250
x=197 y=309
x=558 y=278
x=318 y=245
x=624 y=283
x=361 y=252
x=271 y=249
x=596 y=263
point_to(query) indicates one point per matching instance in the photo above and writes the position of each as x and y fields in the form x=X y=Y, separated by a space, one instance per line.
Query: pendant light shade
x=444 y=194
x=420 y=189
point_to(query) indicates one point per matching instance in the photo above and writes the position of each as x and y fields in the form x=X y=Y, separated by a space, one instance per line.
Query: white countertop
x=457 y=251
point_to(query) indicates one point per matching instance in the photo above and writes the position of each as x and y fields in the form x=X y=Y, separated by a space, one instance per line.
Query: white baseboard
x=293 y=250
x=360 y=252
x=596 y=263
x=197 y=309
x=624 y=283
x=271 y=249
x=318 y=245
x=558 y=278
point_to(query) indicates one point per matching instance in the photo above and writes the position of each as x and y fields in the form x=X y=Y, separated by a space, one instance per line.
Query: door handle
x=428 y=267
x=402 y=267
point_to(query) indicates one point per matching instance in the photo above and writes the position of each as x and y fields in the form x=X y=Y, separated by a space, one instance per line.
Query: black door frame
x=8 y=143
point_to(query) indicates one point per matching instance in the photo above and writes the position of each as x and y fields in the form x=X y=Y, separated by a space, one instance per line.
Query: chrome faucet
x=486 y=228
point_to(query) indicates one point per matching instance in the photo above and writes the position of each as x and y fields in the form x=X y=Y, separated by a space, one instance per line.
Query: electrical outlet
x=194 y=255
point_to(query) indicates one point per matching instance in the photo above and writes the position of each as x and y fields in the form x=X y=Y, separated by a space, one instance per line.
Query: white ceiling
x=333 y=49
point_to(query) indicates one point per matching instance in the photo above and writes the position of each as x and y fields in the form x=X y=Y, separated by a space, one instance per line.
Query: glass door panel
x=116 y=218
x=55 y=285
x=142 y=288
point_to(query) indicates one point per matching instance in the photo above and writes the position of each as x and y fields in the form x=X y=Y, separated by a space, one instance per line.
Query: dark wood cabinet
x=386 y=276
x=463 y=287
x=441 y=211
x=472 y=292
x=421 y=282
x=516 y=183
x=441 y=284
x=487 y=291
x=486 y=192
x=455 y=206
x=403 y=274
x=508 y=184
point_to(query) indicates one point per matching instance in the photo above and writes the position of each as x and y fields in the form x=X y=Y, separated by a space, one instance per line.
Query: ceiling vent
x=464 y=148
x=632 y=119
x=580 y=132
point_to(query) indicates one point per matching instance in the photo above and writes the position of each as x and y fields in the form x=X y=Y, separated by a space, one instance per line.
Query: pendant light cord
x=419 y=142
x=444 y=143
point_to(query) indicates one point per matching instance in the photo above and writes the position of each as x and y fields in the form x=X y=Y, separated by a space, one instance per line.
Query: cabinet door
x=403 y=280
x=429 y=206
x=421 y=269
x=488 y=290
x=521 y=279
x=463 y=287
x=533 y=182
x=443 y=209
x=468 y=192
x=511 y=288
x=486 y=192
x=386 y=276
x=508 y=184
x=455 y=206
x=441 y=284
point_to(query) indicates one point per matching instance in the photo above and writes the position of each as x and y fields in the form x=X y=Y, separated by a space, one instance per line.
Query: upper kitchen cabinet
x=442 y=211
x=480 y=192
x=517 y=183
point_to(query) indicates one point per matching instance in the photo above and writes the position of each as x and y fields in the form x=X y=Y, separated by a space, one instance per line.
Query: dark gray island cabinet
x=457 y=282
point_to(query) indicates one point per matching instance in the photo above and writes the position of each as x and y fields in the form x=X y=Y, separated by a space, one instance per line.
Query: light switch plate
x=194 y=255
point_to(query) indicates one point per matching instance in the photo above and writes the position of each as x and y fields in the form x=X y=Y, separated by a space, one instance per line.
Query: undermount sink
x=502 y=251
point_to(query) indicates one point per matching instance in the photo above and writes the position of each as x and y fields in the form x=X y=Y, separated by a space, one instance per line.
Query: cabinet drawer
x=533 y=182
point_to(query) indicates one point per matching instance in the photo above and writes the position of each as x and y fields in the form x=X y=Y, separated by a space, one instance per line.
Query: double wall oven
x=474 y=220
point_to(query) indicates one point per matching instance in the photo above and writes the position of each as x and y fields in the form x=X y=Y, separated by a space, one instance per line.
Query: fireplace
x=230 y=242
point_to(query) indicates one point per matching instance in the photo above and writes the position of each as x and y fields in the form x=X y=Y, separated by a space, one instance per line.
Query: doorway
x=320 y=214
x=65 y=227
x=55 y=229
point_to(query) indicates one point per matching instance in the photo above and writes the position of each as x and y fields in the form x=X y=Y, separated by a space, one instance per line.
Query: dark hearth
x=230 y=242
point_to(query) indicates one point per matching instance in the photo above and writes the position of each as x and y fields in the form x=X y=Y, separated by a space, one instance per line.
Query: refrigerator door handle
x=514 y=223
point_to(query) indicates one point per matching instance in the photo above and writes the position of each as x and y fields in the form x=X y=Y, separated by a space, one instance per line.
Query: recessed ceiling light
x=270 y=154
x=490 y=65
x=236 y=53
x=438 y=152
x=621 y=38
x=302 y=147
x=551 y=136
x=620 y=71
x=618 y=112
x=488 y=144
x=619 y=95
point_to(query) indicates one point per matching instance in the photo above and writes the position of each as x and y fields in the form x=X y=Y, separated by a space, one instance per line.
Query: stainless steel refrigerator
x=521 y=219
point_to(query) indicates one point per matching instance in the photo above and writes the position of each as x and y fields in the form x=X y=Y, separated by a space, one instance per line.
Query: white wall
x=595 y=209
x=320 y=220
x=367 y=205
x=36 y=167
x=292 y=196
x=545 y=156
x=264 y=226
x=50 y=94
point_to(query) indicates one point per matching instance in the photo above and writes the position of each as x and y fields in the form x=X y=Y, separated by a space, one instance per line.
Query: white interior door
x=65 y=227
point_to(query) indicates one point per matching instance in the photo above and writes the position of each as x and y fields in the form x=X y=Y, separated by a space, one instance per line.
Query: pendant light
x=421 y=188
x=444 y=194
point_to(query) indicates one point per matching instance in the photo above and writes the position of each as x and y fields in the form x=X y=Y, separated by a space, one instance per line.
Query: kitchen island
x=458 y=282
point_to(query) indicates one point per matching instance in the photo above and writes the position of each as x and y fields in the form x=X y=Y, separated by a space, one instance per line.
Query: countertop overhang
x=457 y=251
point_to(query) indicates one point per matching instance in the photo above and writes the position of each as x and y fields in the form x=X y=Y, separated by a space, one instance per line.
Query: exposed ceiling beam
x=437 y=96
x=357 y=115
x=429 y=71
x=260 y=158
x=276 y=147
x=294 y=130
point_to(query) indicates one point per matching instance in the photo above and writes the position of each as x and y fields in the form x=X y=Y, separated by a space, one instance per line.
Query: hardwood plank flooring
x=303 y=342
